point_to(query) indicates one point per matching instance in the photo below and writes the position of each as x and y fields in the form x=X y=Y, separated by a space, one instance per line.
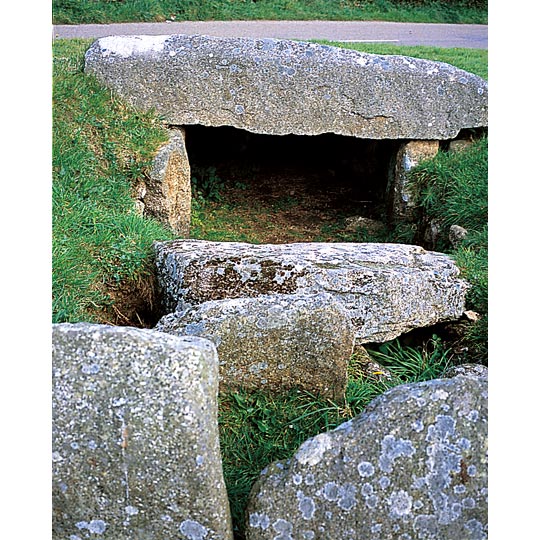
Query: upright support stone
x=135 y=436
x=166 y=196
x=409 y=155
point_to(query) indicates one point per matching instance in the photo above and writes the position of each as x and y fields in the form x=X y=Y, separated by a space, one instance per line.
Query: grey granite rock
x=412 y=466
x=388 y=289
x=167 y=190
x=278 y=86
x=135 y=440
x=468 y=370
x=274 y=342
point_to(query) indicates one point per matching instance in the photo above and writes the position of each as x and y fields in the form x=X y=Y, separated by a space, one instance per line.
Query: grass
x=453 y=190
x=109 y=11
x=257 y=429
x=101 y=148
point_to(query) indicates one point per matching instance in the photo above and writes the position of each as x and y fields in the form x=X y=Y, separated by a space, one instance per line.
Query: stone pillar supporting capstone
x=166 y=196
x=400 y=198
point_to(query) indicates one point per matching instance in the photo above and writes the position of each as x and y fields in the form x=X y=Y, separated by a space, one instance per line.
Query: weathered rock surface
x=166 y=194
x=388 y=289
x=412 y=466
x=402 y=200
x=468 y=370
x=135 y=439
x=456 y=235
x=279 y=87
x=274 y=342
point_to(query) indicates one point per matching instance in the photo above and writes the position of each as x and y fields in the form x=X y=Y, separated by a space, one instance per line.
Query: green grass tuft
x=109 y=11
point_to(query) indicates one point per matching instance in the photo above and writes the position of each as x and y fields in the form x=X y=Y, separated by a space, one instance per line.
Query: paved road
x=471 y=36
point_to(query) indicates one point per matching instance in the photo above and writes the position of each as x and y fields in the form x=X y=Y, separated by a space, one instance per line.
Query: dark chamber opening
x=332 y=173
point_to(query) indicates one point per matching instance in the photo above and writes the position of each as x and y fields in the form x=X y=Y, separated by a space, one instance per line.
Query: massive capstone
x=281 y=87
x=387 y=289
x=135 y=438
x=412 y=466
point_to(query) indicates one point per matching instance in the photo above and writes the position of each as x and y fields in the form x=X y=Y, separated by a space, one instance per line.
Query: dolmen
x=281 y=87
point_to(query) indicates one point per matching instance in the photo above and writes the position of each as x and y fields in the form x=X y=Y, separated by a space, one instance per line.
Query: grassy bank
x=100 y=148
x=108 y=11
x=101 y=249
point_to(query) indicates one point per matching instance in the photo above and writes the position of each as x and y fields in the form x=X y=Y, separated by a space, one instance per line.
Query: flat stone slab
x=135 y=438
x=412 y=466
x=274 y=342
x=387 y=289
x=279 y=87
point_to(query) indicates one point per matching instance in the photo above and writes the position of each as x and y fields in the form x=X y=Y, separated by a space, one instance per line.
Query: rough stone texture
x=353 y=223
x=278 y=87
x=412 y=466
x=468 y=370
x=274 y=342
x=459 y=145
x=409 y=155
x=388 y=289
x=456 y=235
x=166 y=195
x=135 y=439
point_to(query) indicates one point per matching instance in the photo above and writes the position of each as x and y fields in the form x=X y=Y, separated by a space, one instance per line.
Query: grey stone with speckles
x=278 y=87
x=412 y=466
x=468 y=370
x=135 y=439
x=387 y=289
x=274 y=342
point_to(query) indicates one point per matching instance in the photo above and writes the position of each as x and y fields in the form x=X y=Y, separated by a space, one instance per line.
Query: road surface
x=471 y=36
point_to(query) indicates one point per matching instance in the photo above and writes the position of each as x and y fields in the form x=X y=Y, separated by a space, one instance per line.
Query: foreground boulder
x=387 y=289
x=282 y=87
x=412 y=466
x=274 y=342
x=135 y=439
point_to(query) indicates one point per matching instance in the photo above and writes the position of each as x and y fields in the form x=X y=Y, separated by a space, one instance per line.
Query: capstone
x=387 y=289
x=279 y=87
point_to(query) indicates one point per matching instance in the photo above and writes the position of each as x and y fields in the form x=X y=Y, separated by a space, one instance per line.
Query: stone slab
x=412 y=466
x=135 y=438
x=274 y=342
x=388 y=289
x=279 y=87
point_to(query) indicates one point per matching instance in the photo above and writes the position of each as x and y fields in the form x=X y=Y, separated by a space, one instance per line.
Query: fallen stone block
x=387 y=289
x=135 y=438
x=279 y=87
x=412 y=466
x=274 y=342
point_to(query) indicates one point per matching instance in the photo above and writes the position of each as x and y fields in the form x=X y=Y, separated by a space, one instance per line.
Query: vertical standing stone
x=409 y=155
x=167 y=194
x=135 y=438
